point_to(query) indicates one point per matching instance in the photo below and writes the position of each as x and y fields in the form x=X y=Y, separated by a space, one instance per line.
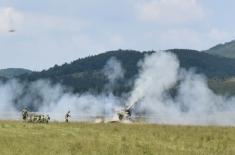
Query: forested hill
x=86 y=74
x=204 y=63
x=223 y=50
x=128 y=58
x=13 y=72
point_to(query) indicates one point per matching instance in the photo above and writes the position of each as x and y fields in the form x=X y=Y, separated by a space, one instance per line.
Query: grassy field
x=107 y=139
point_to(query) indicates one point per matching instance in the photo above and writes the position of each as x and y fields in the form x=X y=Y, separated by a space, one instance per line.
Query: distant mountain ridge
x=223 y=50
x=85 y=74
x=13 y=72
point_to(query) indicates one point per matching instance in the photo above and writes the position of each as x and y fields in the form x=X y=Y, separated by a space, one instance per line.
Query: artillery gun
x=124 y=115
x=38 y=118
x=34 y=117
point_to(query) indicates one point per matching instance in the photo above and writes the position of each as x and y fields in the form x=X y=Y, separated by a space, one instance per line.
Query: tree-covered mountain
x=210 y=65
x=86 y=74
x=224 y=50
x=13 y=72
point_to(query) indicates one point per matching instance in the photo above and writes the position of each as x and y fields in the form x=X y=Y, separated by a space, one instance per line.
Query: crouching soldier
x=67 y=115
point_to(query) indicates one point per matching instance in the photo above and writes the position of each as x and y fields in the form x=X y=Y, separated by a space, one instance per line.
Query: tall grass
x=107 y=139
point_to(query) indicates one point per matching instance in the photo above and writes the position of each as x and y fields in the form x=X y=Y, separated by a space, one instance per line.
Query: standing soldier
x=47 y=118
x=24 y=114
x=67 y=115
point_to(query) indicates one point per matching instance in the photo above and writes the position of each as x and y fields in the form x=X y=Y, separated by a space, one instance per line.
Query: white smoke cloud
x=194 y=102
x=7 y=93
x=55 y=100
x=158 y=73
x=113 y=70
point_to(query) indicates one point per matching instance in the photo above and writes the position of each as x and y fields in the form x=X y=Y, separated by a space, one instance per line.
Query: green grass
x=107 y=139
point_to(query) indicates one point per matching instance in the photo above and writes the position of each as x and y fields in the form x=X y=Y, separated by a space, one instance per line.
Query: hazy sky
x=52 y=32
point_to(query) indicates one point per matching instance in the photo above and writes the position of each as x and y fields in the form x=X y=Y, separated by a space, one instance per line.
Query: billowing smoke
x=84 y=106
x=162 y=93
x=7 y=93
x=55 y=100
x=159 y=72
x=193 y=102
x=113 y=70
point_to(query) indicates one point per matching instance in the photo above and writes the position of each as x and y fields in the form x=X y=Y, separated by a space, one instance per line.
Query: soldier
x=67 y=115
x=120 y=116
x=24 y=114
x=39 y=119
x=128 y=112
x=47 y=118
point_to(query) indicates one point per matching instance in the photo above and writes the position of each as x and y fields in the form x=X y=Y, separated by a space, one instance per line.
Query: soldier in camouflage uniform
x=124 y=114
x=24 y=114
x=47 y=118
x=67 y=115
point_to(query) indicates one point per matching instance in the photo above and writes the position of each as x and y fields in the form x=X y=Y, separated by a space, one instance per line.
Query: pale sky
x=50 y=32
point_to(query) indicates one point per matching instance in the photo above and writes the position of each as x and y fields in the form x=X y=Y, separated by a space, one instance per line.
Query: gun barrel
x=130 y=106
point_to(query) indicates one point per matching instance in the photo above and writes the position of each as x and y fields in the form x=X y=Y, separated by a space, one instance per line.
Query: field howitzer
x=34 y=117
x=125 y=114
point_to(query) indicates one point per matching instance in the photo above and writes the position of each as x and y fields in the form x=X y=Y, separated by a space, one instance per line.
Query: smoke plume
x=194 y=103
x=46 y=98
x=113 y=70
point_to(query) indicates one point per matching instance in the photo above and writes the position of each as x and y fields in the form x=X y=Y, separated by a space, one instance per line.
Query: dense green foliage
x=209 y=65
x=224 y=87
x=224 y=50
x=108 y=139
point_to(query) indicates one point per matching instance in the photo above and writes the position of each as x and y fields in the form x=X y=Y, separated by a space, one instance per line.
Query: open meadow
x=107 y=139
